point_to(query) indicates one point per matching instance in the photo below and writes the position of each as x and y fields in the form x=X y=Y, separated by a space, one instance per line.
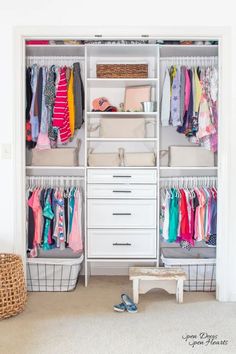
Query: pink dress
x=75 y=237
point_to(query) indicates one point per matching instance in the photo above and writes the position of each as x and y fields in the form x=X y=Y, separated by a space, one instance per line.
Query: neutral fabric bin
x=103 y=159
x=190 y=156
x=58 y=253
x=122 y=128
x=199 y=251
x=142 y=159
x=56 y=157
x=45 y=274
x=200 y=271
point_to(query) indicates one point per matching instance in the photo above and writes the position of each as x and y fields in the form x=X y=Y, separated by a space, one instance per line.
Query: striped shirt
x=60 y=117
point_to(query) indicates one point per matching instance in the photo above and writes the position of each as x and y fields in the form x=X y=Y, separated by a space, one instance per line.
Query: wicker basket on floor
x=12 y=285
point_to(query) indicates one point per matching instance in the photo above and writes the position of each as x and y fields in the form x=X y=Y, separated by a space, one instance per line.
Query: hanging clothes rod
x=191 y=60
x=206 y=181
x=54 y=181
x=50 y=60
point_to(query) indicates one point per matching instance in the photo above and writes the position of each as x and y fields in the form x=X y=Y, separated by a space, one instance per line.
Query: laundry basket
x=45 y=274
x=199 y=265
x=12 y=285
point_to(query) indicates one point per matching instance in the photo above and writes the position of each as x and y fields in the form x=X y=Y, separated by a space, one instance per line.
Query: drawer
x=121 y=176
x=125 y=191
x=104 y=213
x=121 y=243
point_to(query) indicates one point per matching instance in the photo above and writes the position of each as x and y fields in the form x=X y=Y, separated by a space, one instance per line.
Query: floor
x=83 y=322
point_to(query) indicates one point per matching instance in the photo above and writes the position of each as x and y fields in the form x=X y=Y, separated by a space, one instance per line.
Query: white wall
x=101 y=13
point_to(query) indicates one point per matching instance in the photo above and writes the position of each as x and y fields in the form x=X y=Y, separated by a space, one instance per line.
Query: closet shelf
x=120 y=82
x=188 y=168
x=173 y=50
x=148 y=114
x=57 y=49
x=123 y=167
x=122 y=139
x=131 y=51
x=55 y=167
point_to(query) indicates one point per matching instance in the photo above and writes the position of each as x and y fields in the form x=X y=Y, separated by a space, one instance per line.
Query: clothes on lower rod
x=188 y=215
x=54 y=105
x=54 y=219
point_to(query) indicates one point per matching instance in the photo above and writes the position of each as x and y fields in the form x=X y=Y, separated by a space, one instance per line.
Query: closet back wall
x=25 y=14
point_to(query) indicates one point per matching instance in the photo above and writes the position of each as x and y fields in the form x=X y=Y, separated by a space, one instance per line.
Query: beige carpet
x=83 y=322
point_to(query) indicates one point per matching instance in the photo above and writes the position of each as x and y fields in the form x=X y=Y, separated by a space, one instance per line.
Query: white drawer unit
x=121 y=243
x=117 y=176
x=103 y=213
x=122 y=191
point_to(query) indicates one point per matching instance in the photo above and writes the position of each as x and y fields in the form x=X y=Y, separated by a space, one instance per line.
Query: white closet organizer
x=122 y=202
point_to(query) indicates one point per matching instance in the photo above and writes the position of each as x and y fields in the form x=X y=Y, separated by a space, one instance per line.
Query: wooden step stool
x=147 y=278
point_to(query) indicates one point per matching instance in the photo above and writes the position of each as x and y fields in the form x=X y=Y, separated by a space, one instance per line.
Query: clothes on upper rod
x=54 y=105
x=188 y=215
x=54 y=219
x=189 y=102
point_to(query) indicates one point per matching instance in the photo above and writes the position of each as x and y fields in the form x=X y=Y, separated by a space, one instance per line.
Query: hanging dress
x=60 y=112
x=75 y=237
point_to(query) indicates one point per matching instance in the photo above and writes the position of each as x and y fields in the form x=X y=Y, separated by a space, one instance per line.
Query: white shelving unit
x=152 y=54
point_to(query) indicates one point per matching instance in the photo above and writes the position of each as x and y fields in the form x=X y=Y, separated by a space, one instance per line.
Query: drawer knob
x=121 y=191
x=120 y=176
x=121 y=214
x=121 y=244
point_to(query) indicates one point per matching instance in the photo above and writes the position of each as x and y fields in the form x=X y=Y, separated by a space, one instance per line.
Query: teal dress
x=71 y=207
x=173 y=216
x=49 y=215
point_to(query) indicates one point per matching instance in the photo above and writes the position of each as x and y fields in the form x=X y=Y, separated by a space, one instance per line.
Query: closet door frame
x=222 y=34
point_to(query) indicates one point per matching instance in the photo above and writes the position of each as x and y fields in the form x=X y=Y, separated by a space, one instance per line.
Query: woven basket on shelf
x=12 y=285
x=110 y=71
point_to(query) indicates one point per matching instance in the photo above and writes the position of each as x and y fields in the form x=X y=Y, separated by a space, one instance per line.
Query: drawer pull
x=121 y=244
x=121 y=214
x=117 y=176
x=121 y=191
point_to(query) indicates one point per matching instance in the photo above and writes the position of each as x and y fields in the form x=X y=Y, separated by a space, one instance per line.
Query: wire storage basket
x=201 y=272
x=13 y=292
x=45 y=274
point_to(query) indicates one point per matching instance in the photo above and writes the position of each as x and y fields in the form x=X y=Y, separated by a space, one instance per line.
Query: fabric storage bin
x=142 y=159
x=190 y=156
x=164 y=157
x=45 y=274
x=56 y=157
x=103 y=159
x=58 y=253
x=200 y=272
x=122 y=128
x=122 y=70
